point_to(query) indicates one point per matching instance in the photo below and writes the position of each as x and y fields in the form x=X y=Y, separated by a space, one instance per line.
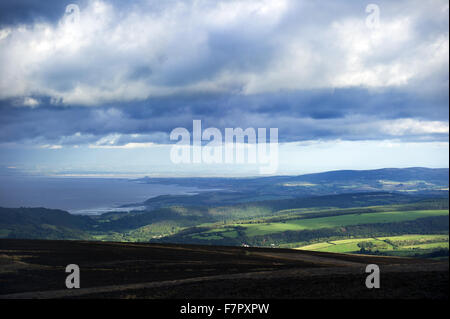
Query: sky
x=96 y=87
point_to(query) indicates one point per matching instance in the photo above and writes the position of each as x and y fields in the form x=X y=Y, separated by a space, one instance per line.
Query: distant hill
x=227 y=191
x=431 y=175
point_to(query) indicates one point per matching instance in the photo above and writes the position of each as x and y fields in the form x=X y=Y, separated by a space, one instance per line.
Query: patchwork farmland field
x=336 y=221
x=406 y=245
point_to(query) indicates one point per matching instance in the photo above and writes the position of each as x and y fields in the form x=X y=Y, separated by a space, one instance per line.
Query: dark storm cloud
x=30 y=11
x=352 y=114
x=132 y=72
x=19 y=12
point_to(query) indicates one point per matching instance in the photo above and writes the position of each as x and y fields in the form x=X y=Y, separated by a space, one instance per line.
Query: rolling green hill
x=43 y=223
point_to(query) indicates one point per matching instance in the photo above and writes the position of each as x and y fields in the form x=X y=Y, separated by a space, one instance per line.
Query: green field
x=339 y=221
x=345 y=246
x=262 y=231
x=406 y=245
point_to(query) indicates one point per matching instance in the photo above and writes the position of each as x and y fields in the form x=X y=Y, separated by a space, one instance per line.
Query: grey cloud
x=352 y=114
x=171 y=63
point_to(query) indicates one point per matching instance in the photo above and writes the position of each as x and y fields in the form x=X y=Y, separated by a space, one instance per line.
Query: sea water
x=88 y=196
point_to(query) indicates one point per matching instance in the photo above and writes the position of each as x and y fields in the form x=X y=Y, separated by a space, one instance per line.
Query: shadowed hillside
x=35 y=269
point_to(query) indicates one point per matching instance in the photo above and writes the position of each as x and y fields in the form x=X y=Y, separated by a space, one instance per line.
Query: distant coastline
x=86 y=196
